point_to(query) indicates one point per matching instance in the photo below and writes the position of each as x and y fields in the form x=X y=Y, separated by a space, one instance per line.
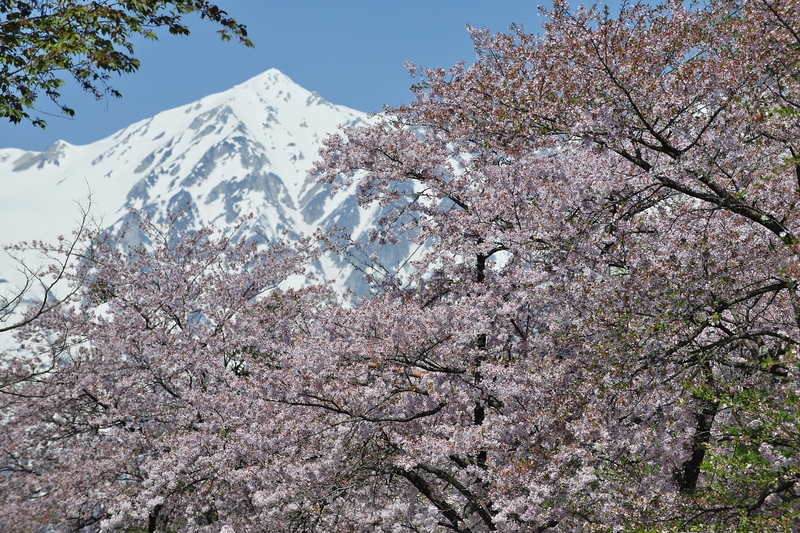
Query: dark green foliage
x=43 y=41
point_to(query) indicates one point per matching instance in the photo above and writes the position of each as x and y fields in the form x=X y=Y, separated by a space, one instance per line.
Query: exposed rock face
x=244 y=151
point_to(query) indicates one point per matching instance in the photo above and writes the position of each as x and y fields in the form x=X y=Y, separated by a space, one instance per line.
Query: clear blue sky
x=350 y=51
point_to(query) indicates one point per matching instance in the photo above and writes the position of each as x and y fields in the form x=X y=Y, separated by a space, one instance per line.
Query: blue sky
x=350 y=51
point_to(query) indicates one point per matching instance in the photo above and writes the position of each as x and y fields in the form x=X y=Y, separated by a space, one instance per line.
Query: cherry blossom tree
x=629 y=358
x=145 y=385
x=41 y=272
x=599 y=332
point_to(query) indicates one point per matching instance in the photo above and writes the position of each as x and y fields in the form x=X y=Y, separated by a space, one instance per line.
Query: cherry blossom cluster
x=600 y=330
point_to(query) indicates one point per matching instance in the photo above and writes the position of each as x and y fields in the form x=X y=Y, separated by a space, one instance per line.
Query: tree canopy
x=41 y=41
x=602 y=334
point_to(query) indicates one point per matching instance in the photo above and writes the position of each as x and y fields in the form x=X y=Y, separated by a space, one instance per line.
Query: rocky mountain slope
x=245 y=150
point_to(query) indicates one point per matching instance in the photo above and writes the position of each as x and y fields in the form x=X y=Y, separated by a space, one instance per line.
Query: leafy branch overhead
x=44 y=41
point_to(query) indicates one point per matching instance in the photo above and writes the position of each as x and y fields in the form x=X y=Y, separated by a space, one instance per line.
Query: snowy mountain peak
x=241 y=151
x=271 y=83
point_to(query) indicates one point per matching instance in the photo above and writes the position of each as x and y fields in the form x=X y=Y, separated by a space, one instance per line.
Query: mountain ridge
x=243 y=151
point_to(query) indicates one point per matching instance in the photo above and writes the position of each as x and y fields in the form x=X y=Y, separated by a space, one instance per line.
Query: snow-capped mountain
x=245 y=150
